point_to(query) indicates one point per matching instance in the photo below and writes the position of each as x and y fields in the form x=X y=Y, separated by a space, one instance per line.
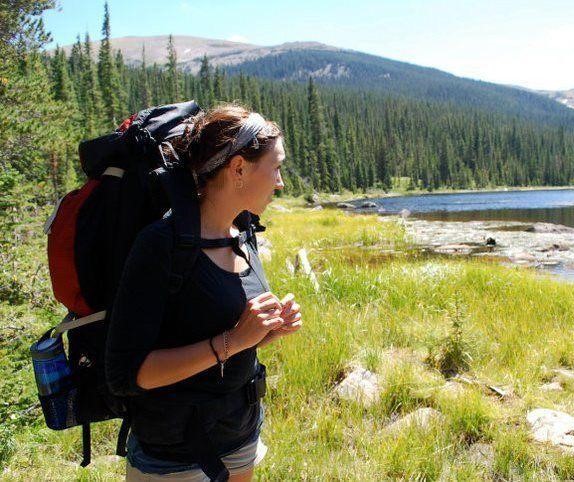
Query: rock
x=265 y=253
x=381 y=210
x=278 y=207
x=490 y=242
x=455 y=249
x=264 y=248
x=549 y=228
x=552 y=387
x=368 y=204
x=290 y=266
x=360 y=385
x=552 y=426
x=302 y=263
x=564 y=373
x=405 y=213
x=481 y=454
x=453 y=388
x=523 y=257
x=263 y=242
x=345 y=206
x=422 y=417
x=317 y=208
x=502 y=392
x=554 y=247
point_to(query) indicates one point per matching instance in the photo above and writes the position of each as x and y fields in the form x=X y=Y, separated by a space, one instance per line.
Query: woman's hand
x=292 y=321
x=261 y=315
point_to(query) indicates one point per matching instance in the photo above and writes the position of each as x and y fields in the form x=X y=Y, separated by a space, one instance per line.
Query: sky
x=529 y=43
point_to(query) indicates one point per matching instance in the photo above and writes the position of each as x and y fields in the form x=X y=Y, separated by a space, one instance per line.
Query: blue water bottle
x=54 y=381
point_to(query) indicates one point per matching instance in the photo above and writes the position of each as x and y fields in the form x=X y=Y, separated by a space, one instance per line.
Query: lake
x=549 y=205
x=554 y=206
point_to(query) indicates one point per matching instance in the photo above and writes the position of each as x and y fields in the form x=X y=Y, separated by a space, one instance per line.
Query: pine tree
x=89 y=98
x=144 y=91
x=218 y=84
x=108 y=76
x=172 y=73
x=61 y=85
x=205 y=82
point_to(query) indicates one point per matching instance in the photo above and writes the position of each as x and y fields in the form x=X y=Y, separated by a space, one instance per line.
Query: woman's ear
x=237 y=166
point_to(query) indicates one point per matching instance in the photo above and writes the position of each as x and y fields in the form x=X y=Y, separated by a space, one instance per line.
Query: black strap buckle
x=257 y=387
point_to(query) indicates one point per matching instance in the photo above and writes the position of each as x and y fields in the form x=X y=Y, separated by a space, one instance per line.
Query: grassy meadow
x=414 y=320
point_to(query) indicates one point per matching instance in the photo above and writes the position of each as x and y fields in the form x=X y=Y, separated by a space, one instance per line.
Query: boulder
x=264 y=248
x=360 y=385
x=368 y=205
x=278 y=207
x=422 y=418
x=552 y=387
x=552 y=426
x=452 y=388
x=317 y=208
x=564 y=373
x=345 y=206
x=455 y=249
x=554 y=247
x=302 y=263
x=549 y=228
x=405 y=213
x=522 y=257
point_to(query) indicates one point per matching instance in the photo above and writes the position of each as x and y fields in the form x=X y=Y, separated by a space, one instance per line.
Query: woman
x=166 y=354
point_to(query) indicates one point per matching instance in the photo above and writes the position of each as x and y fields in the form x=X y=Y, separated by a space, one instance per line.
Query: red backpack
x=90 y=234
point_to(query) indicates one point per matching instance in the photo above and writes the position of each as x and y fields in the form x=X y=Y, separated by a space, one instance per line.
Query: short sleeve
x=138 y=311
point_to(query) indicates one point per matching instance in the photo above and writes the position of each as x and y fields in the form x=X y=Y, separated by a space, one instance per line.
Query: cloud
x=238 y=38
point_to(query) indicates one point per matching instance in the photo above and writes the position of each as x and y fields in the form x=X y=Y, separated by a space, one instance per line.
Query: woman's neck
x=217 y=219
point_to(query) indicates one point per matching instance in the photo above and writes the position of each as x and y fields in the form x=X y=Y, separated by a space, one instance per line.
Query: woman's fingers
x=290 y=309
x=287 y=298
x=291 y=327
x=267 y=304
x=264 y=298
x=273 y=323
x=295 y=318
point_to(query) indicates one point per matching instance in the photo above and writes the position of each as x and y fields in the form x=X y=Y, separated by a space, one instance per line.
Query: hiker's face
x=262 y=178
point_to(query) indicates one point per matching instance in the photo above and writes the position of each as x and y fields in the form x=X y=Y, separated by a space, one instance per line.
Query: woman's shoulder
x=157 y=233
x=155 y=239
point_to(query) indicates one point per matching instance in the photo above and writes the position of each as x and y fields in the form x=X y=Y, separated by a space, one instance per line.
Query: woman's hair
x=210 y=132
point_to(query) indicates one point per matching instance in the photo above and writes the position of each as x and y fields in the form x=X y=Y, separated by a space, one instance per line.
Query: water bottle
x=54 y=381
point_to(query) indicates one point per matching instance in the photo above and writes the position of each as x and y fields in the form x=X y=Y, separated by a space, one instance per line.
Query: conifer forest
x=336 y=137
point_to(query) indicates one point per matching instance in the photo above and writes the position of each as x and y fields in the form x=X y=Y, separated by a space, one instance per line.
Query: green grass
x=380 y=305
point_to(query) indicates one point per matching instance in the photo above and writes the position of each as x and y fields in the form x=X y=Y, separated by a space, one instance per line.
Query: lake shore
x=379 y=193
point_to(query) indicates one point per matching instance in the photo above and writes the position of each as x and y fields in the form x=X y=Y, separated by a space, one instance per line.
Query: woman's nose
x=279 y=182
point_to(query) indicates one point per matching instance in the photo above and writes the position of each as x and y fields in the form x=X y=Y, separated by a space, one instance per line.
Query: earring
x=238 y=183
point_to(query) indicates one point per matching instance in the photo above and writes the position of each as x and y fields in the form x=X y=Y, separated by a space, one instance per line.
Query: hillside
x=356 y=70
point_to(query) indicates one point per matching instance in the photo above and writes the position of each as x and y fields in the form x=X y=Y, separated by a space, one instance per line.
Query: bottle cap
x=47 y=349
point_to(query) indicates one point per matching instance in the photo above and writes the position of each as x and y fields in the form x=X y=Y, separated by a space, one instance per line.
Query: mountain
x=297 y=61
x=565 y=97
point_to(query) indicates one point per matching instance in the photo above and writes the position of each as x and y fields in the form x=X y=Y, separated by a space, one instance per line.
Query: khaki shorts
x=243 y=459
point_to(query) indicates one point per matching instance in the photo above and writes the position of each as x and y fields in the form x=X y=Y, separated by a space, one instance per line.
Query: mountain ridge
x=297 y=61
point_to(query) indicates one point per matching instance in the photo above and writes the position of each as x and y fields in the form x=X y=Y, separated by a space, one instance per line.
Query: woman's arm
x=171 y=365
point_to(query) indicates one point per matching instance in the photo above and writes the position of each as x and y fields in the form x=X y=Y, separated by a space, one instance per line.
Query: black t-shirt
x=145 y=317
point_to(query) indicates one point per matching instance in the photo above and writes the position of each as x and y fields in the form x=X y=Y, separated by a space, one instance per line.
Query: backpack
x=90 y=233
